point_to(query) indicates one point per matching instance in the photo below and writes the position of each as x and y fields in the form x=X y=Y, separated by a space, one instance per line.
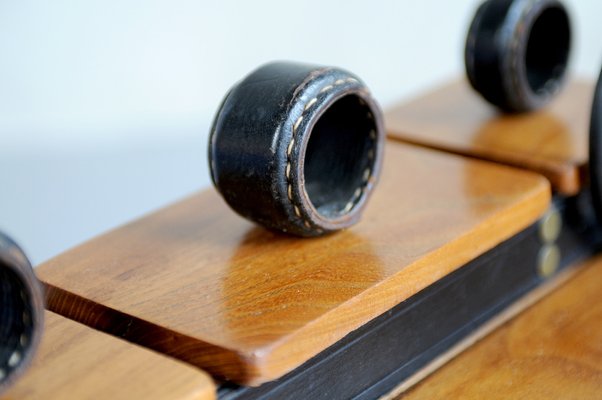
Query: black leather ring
x=21 y=312
x=595 y=151
x=297 y=148
x=517 y=52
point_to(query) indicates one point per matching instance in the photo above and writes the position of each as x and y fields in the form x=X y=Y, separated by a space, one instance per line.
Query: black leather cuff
x=595 y=151
x=517 y=52
x=297 y=148
x=21 y=312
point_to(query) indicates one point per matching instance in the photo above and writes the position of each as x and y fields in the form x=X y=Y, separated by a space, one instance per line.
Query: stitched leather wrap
x=297 y=148
x=21 y=312
x=517 y=52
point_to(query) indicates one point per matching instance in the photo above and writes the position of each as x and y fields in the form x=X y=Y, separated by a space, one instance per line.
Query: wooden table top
x=198 y=282
x=77 y=362
x=551 y=351
x=454 y=118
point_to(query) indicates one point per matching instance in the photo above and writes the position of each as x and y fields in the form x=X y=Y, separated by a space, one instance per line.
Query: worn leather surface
x=595 y=151
x=297 y=148
x=517 y=51
x=21 y=312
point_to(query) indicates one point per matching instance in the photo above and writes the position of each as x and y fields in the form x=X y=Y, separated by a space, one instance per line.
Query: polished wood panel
x=552 y=350
x=553 y=141
x=76 y=362
x=198 y=282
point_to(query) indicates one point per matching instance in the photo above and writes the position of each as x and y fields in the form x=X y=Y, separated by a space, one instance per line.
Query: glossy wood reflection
x=198 y=282
x=553 y=141
x=553 y=350
x=75 y=362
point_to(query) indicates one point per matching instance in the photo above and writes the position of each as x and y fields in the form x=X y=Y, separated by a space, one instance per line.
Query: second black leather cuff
x=517 y=52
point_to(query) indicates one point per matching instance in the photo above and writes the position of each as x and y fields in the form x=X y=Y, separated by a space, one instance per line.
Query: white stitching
x=297 y=123
x=367 y=174
x=326 y=89
x=310 y=103
x=358 y=192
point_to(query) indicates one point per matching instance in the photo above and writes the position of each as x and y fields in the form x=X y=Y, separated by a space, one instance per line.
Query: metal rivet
x=550 y=226
x=548 y=260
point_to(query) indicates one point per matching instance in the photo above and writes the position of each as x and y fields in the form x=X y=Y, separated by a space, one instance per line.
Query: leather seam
x=289 y=150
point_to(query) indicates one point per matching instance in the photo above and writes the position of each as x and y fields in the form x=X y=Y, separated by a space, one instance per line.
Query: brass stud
x=548 y=260
x=550 y=226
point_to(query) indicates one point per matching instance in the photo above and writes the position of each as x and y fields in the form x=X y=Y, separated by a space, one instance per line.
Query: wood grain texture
x=553 y=141
x=551 y=351
x=198 y=282
x=79 y=363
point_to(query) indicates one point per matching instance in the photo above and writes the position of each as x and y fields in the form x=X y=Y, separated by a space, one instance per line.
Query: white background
x=105 y=105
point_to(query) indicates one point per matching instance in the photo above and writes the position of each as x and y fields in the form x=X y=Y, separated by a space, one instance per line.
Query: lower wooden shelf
x=77 y=362
x=551 y=351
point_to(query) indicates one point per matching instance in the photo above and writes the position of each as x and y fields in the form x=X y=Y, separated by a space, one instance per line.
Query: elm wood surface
x=76 y=362
x=454 y=118
x=200 y=283
x=552 y=350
